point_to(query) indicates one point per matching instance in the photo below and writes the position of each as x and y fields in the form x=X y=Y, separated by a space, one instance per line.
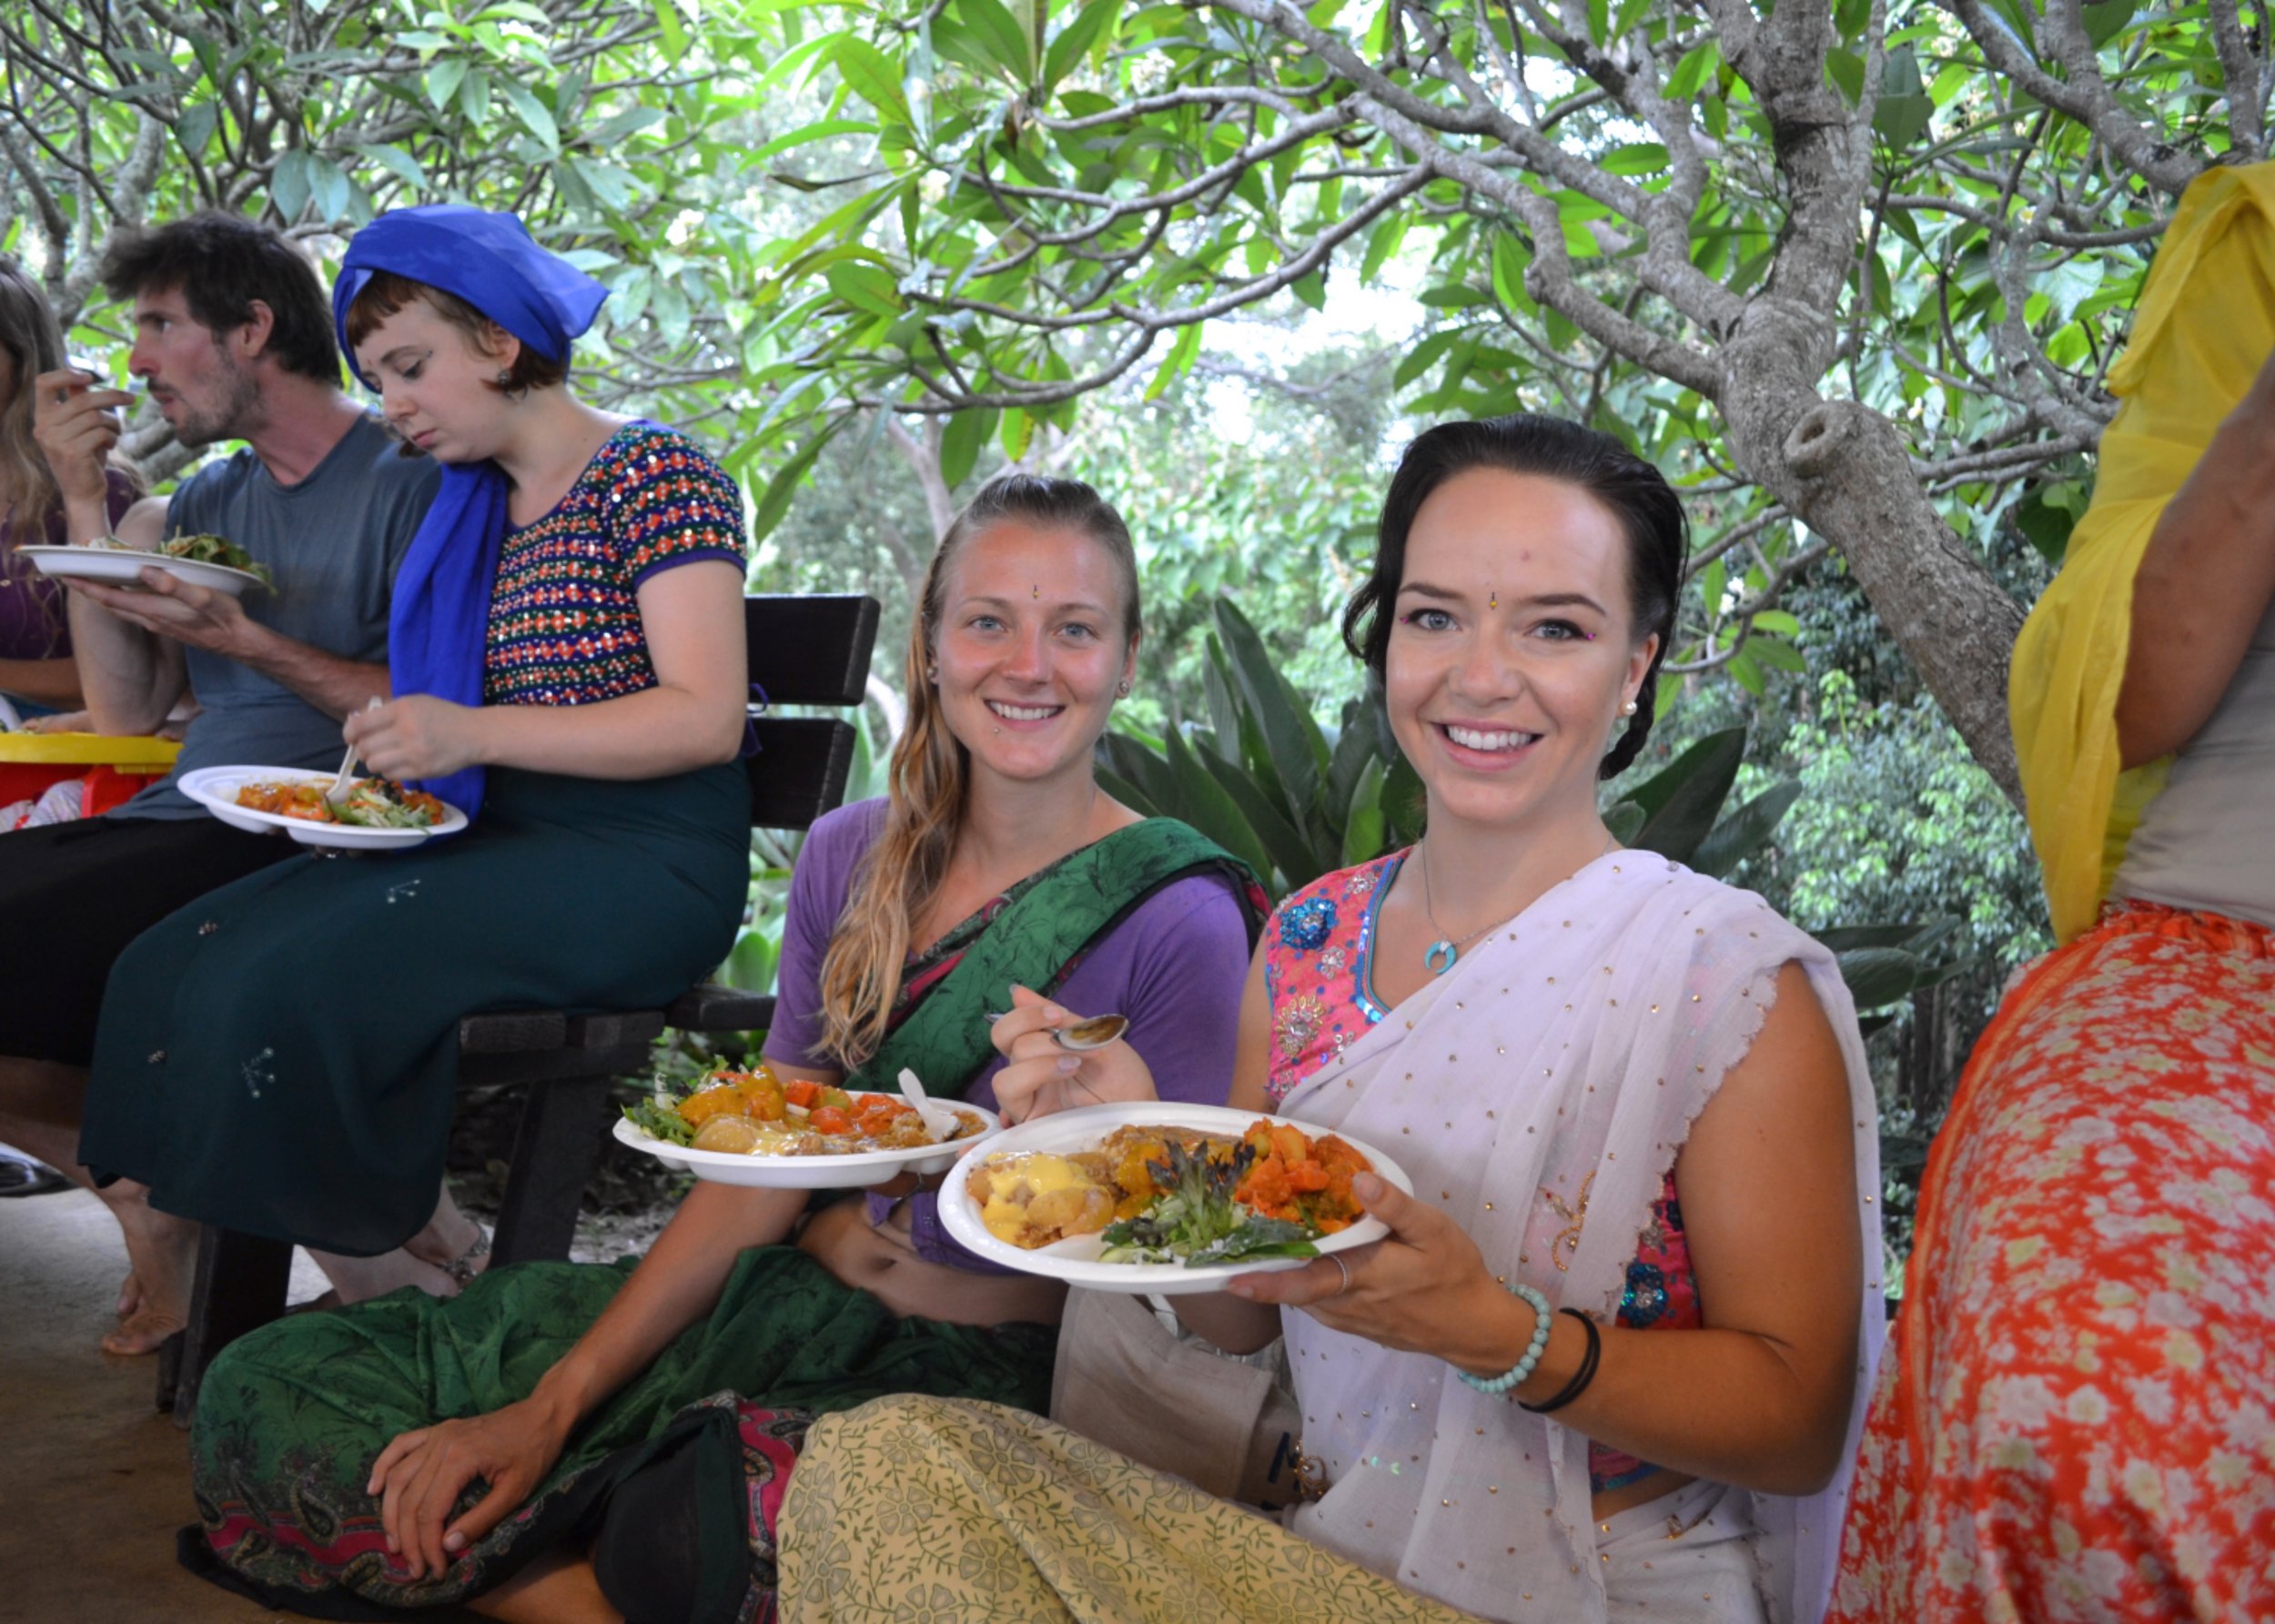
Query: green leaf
x=668 y=24
x=1091 y=24
x=1905 y=107
x=1000 y=35
x=1311 y=289
x=1128 y=793
x=1404 y=802
x=328 y=188
x=445 y=76
x=1148 y=771
x=869 y=75
x=533 y=114
x=1288 y=732
x=1625 y=821
x=865 y=287
x=1682 y=799
x=1299 y=865
x=820 y=130
x=288 y=185
x=1508 y=263
x=1645 y=157
x=474 y=96
x=1744 y=831
x=1698 y=65
x=1209 y=809
x=774 y=500
x=1366 y=835
x=2106 y=19
x=1015 y=433
x=398 y=162
x=1177 y=362
x=1381 y=243
x=1878 y=976
x=960 y=443
x=195 y=128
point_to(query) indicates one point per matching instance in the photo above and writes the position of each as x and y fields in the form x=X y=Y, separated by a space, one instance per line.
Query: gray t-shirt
x=332 y=541
x=2207 y=842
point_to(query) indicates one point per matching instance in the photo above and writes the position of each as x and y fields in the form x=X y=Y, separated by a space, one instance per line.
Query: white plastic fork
x=338 y=794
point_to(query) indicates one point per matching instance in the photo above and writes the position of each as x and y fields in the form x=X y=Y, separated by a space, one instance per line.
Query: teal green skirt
x=292 y=1416
x=279 y=1057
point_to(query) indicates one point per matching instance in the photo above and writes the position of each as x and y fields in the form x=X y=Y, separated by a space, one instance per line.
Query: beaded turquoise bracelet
x=1543 y=1316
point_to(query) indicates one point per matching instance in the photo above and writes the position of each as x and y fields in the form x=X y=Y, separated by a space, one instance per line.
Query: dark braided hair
x=1649 y=513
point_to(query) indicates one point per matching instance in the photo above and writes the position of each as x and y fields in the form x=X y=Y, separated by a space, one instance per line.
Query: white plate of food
x=739 y=1126
x=1070 y=1161
x=380 y=814
x=200 y=560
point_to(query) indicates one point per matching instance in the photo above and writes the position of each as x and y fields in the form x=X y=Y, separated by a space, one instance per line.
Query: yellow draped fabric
x=2207 y=321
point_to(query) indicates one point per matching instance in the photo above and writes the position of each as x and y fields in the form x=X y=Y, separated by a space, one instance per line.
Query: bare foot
x=129 y=1296
x=451 y=1241
x=144 y=1331
x=357 y=1279
x=162 y=1256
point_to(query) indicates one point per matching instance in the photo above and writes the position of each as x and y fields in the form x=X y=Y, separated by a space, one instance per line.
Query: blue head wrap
x=441 y=613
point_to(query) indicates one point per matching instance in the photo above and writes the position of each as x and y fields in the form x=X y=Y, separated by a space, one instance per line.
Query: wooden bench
x=810 y=651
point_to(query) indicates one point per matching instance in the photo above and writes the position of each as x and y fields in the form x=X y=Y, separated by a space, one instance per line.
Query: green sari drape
x=292 y=1417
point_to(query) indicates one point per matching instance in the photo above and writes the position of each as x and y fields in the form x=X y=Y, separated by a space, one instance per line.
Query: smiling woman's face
x=1030 y=648
x=1510 y=652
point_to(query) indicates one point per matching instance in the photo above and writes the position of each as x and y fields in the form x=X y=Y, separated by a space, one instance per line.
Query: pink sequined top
x=1318 y=982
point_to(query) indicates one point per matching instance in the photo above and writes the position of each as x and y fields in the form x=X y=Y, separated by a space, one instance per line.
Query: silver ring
x=1341 y=1268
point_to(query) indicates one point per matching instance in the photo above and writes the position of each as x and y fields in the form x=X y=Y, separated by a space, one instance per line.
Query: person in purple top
x=619 y=1445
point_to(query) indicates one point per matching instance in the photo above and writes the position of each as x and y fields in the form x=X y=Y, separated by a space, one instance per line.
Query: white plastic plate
x=117 y=567
x=1076 y=1260
x=216 y=788
x=813 y=1173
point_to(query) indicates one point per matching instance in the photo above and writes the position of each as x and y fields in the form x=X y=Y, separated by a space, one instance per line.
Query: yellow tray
x=88 y=750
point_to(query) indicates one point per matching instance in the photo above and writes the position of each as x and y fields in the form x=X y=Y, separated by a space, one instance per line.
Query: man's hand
x=76 y=428
x=167 y=607
x=417 y=736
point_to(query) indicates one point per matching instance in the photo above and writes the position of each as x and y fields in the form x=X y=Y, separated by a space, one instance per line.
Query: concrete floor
x=93 y=1479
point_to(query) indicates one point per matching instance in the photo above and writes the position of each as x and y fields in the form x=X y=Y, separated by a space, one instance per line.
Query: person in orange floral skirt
x=2076 y=1417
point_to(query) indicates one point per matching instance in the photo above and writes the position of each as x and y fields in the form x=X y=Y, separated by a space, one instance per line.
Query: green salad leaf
x=1197 y=1223
x=659 y=1120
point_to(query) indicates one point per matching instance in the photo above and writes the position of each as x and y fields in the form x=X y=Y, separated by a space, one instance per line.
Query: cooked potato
x=1075 y=1210
x=737 y=1135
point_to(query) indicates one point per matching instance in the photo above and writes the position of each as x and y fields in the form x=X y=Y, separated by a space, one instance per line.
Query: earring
x=1628 y=709
x=1121 y=689
x=933 y=675
x=505 y=377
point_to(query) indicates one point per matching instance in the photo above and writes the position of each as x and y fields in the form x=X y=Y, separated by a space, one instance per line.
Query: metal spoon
x=1093 y=1033
x=941 y=1124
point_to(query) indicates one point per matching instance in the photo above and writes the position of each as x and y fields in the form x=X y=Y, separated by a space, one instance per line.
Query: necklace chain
x=1441 y=954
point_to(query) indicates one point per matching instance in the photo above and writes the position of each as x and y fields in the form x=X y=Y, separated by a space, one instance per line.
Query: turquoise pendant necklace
x=1445 y=951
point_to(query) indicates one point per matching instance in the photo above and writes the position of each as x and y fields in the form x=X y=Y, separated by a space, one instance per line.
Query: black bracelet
x=1582 y=1376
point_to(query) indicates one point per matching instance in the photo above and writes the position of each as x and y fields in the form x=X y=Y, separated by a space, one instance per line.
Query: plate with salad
x=377 y=812
x=1162 y=1198
x=201 y=560
x=744 y=1125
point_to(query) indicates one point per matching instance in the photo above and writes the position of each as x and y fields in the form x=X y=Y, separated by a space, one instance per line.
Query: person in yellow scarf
x=2074 y=1417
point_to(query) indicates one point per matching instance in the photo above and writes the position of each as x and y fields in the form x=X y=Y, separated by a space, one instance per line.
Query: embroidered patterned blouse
x=1319 y=985
x=564 y=617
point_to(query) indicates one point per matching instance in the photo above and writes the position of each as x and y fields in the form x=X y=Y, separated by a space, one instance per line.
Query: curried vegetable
x=753 y=1113
x=371 y=802
x=1164 y=1194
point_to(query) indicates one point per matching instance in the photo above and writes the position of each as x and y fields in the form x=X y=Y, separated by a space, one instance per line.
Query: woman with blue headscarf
x=566 y=654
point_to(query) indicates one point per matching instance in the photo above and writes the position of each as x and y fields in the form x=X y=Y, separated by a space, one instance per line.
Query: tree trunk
x=1843 y=470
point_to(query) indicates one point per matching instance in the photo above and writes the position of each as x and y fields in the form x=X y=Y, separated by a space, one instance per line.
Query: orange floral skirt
x=2076 y=1416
